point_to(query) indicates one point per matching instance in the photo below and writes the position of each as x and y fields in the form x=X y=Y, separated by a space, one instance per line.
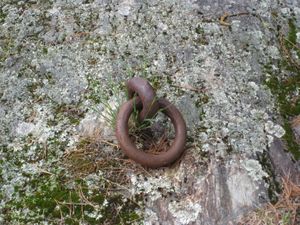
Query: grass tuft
x=286 y=211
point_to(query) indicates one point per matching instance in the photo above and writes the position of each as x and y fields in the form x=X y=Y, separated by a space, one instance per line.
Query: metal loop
x=147 y=159
x=147 y=95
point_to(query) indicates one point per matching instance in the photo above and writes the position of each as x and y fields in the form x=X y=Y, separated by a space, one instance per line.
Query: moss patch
x=51 y=200
x=285 y=87
x=2 y=16
x=291 y=41
x=274 y=186
x=107 y=94
x=72 y=112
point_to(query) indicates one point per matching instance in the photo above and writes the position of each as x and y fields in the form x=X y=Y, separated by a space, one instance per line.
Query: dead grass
x=287 y=51
x=96 y=154
x=151 y=144
x=162 y=145
x=286 y=211
x=91 y=156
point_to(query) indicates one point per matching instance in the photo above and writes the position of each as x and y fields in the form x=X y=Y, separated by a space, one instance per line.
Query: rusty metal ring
x=147 y=95
x=143 y=158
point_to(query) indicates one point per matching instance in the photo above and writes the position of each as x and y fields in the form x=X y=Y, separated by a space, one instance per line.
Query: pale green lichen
x=254 y=169
x=185 y=212
x=62 y=65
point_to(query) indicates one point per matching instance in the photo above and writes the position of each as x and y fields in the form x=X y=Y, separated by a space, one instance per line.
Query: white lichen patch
x=274 y=52
x=151 y=186
x=254 y=169
x=149 y=217
x=185 y=211
x=298 y=37
x=274 y=129
x=242 y=190
x=90 y=126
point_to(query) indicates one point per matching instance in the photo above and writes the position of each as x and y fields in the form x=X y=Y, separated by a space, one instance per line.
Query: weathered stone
x=62 y=64
x=282 y=162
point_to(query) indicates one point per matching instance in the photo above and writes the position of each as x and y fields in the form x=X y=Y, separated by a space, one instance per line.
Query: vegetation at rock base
x=286 y=87
x=55 y=202
x=285 y=211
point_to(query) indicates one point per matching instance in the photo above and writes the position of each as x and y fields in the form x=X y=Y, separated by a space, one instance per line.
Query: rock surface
x=62 y=63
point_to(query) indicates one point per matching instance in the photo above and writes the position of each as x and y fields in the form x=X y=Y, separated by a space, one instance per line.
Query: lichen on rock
x=62 y=70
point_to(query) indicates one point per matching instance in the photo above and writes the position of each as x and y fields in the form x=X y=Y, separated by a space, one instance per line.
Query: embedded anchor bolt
x=148 y=105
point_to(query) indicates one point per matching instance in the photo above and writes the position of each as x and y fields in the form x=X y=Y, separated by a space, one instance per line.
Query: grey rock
x=189 y=111
x=10 y=61
x=282 y=162
x=61 y=61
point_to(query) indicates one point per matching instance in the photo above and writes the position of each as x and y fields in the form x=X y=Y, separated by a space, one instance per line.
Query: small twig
x=82 y=197
x=117 y=184
x=223 y=18
x=44 y=171
x=241 y=14
x=189 y=87
x=286 y=52
x=294 y=45
x=226 y=15
x=72 y=203
x=60 y=212
x=110 y=143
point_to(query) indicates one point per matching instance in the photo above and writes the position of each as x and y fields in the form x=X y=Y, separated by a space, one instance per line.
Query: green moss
x=49 y=78
x=61 y=111
x=199 y=30
x=201 y=40
x=32 y=87
x=50 y=200
x=203 y=99
x=292 y=31
x=95 y=93
x=101 y=92
x=155 y=82
x=284 y=89
x=45 y=50
x=2 y=16
x=8 y=47
x=274 y=187
x=291 y=41
x=293 y=147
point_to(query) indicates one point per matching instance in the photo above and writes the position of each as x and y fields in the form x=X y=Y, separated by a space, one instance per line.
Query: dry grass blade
x=95 y=154
x=286 y=51
x=162 y=145
x=286 y=211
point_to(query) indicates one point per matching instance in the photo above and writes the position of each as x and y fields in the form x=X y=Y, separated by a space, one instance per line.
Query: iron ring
x=146 y=94
x=143 y=158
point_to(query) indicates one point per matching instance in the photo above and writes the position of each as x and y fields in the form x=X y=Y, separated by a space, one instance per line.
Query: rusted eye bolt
x=146 y=96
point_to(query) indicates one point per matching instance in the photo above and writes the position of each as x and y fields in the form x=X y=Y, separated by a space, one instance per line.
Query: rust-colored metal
x=146 y=93
x=122 y=130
